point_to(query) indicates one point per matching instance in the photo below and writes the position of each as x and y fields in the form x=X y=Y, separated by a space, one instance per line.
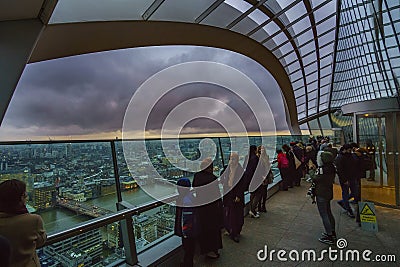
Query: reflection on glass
x=153 y=226
x=98 y=247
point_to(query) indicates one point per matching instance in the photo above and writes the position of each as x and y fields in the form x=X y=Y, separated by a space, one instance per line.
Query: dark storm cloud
x=90 y=93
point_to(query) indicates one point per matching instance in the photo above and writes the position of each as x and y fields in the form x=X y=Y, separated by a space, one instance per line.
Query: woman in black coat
x=209 y=215
x=234 y=186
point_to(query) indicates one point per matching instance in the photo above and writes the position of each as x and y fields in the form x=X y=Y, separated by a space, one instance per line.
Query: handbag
x=297 y=162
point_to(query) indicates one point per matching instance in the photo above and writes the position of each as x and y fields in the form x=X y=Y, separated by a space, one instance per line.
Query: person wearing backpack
x=283 y=166
x=324 y=194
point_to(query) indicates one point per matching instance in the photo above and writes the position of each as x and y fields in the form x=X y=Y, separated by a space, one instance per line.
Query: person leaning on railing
x=24 y=231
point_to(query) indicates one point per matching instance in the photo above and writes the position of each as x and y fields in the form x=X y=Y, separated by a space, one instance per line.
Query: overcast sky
x=86 y=96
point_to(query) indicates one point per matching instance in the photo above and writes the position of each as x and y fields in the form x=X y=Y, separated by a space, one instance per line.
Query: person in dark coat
x=344 y=167
x=357 y=172
x=253 y=180
x=210 y=215
x=186 y=221
x=234 y=186
x=265 y=172
x=324 y=194
x=291 y=171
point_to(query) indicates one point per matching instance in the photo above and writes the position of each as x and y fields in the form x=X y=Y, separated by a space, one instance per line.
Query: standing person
x=344 y=167
x=186 y=221
x=292 y=172
x=283 y=166
x=210 y=215
x=234 y=186
x=311 y=162
x=266 y=173
x=324 y=194
x=358 y=172
x=252 y=179
x=24 y=231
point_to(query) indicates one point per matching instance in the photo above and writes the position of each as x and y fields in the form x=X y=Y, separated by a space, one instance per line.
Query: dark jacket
x=210 y=216
x=325 y=177
x=250 y=172
x=237 y=190
x=344 y=166
x=357 y=171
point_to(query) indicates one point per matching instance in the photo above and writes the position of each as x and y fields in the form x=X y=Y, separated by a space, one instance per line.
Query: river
x=58 y=219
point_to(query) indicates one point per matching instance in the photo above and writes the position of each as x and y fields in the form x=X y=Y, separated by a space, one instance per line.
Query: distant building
x=43 y=195
x=82 y=250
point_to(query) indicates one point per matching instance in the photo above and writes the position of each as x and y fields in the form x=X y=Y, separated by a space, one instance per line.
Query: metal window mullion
x=362 y=49
x=384 y=73
x=152 y=9
x=208 y=11
x=386 y=51
x=307 y=29
x=245 y=14
x=271 y=19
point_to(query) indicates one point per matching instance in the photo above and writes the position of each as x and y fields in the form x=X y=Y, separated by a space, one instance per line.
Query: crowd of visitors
x=204 y=223
x=318 y=162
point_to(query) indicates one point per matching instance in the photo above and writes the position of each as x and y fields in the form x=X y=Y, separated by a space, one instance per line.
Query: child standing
x=185 y=221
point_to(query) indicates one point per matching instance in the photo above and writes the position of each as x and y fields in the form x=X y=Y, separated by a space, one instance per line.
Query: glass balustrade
x=74 y=185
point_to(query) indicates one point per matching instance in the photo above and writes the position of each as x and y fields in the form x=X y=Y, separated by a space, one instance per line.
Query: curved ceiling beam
x=63 y=40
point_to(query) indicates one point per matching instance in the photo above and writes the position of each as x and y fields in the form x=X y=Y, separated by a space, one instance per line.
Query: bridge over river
x=83 y=208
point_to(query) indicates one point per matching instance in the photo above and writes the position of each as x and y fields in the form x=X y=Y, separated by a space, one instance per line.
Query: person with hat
x=186 y=221
x=324 y=194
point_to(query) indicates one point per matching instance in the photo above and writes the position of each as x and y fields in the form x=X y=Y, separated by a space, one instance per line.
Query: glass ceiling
x=300 y=33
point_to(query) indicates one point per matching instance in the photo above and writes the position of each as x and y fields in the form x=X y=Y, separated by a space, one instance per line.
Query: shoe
x=263 y=210
x=353 y=202
x=309 y=180
x=327 y=240
x=333 y=236
x=212 y=255
x=350 y=214
x=252 y=215
x=370 y=179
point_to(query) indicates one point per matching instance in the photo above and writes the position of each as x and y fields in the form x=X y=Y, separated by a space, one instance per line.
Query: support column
x=18 y=39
